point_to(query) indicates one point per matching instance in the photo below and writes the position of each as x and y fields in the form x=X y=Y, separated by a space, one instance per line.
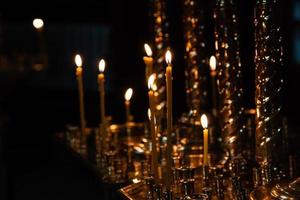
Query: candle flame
x=204 y=122
x=212 y=63
x=149 y=113
x=78 y=60
x=135 y=180
x=168 y=57
x=151 y=81
x=102 y=65
x=148 y=49
x=128 y=94
x=38 y=23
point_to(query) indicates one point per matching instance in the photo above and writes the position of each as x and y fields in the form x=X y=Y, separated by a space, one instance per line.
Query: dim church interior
x=36 y=102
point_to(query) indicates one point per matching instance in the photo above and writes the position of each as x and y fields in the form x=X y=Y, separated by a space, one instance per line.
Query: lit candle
x=213 y=73
x=154 y=161
x=168 y=57
x=127 y=96
x=148 y=61
x=101 y=81
x=38 y=24
x=204 y=124
x=78 y=62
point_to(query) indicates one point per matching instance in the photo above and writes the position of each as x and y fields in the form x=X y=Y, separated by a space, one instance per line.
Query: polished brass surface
x=270 y=140
x=196 y=70
x=229 y=76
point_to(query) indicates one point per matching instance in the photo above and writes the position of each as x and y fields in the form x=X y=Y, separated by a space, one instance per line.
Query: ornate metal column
x=161 y=38
x=229 y=76
x=270 y=151
x=196 y=70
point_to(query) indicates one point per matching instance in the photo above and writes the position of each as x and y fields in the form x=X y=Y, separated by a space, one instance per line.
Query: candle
x=213 y=73
x=154 y=160
x=78 y=62
x=101 y=81
x=38 y=24
x=127 y=96
x=148 y=60
x=204 y=124
x=168 y=57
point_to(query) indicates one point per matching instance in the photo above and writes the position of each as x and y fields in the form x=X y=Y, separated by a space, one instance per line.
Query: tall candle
x=169 y=120
x=78 y=62
x=39 y=26
x=127 y=96
x=101 y=80
x=148 y=60
x=204 y=124
x=154 y=159
x=213 y=73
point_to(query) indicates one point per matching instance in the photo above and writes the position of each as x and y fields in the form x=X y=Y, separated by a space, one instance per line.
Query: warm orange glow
x=148 y=50
x=151 y=81
x=204 y=122
x=168 y=57
x=38 y=23
x=102 y=65
x=128 y=94
x=213 y=63
x=78 y=60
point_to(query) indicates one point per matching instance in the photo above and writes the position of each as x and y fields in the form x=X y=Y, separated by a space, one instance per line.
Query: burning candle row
x=151 y=112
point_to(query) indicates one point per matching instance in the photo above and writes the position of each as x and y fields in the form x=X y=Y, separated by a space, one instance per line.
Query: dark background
x=34 y=104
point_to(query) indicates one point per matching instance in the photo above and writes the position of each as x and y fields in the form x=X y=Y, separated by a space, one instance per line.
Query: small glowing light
x=149 y=113
x=151 y=80
x=102 y=65
x=158 y=107
x=204 y=122
x=212 y=63
x=78 y=60
x=128 y=94
x=148 y=49
x=38 y=23
x=168 y=57
x=135 y=180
